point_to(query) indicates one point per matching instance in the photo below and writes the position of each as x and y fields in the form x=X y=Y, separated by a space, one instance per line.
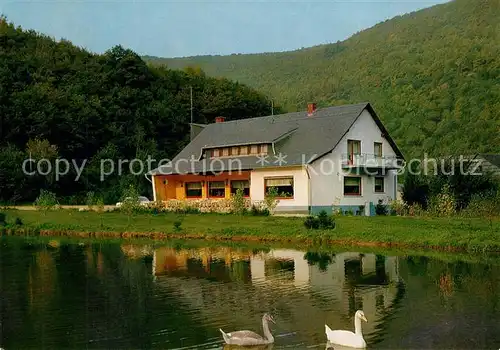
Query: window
x=379 y=184
x=283 y=185
x=377 y=149
x=243 y=184
x=353 y=148
x=238 y=150
x=217 y=189
x=193 y=189
x=352 y=186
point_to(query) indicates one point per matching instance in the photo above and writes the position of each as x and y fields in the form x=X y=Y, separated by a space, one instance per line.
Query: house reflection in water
x=309 y=288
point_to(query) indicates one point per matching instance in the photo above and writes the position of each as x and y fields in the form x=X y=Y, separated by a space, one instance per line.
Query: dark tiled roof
x=296 y=135
x=494 y=159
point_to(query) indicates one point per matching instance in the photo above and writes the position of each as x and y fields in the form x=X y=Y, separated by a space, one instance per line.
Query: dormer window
x=236 y=151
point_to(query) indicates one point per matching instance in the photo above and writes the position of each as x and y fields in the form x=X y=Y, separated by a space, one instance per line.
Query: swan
x=347 y=338
x=249 y=337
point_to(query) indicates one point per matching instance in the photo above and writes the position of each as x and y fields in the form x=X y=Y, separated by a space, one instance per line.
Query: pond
x=123 y=295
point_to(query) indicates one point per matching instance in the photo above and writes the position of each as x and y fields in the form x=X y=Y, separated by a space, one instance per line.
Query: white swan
x=347 y=338
x=250 y=338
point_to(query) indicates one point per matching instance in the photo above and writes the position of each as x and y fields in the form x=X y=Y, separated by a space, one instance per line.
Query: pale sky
x=186 y=28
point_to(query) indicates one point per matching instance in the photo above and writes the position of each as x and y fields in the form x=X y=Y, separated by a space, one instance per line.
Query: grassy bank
x=445 y=234
x=42 y=242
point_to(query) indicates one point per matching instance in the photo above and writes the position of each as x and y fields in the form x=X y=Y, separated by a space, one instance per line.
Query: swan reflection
x=331 y=346
x=243 y=347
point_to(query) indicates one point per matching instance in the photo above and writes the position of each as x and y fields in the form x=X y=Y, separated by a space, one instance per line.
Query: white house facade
x=356 y=182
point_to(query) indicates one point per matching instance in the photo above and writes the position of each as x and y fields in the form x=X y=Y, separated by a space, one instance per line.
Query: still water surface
x=129 y=296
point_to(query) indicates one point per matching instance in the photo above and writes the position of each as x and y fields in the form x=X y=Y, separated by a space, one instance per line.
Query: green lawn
x=437 y=233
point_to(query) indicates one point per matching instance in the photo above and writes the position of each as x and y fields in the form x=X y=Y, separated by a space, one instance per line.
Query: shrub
x=462 y=186
x=270 y=199
x=255 y=211
x=361 y=210
x=311 y=222
x=18 y=222
x=416 y=210
x=45 y=201
x=326 y=221
x=443 y=204
x=99 y=203
x=130 y=201
x=2 y=218
x=485 y=205
x=399 y=207
x=381 y=208
x=156 y=207
x=177 y=225
x=99 y=207
x=321 y=221
x=90 y=200
x=415 y=188
x=238 y=202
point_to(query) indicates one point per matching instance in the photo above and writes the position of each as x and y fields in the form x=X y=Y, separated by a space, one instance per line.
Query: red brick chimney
x=311 y=108
x=219 y=119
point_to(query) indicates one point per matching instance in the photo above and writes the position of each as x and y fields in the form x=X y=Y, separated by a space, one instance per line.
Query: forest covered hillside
x=433 y=76
x=58 y=100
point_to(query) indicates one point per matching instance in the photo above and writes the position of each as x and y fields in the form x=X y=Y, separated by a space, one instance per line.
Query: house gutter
x=395 y=185
x=154 y=185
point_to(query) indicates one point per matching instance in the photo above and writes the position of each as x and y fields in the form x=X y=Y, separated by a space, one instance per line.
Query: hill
x=432 y=75
x=58 y=100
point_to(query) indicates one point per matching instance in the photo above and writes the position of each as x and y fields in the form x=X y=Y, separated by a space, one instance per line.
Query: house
x=487 y=164
x=321 y=159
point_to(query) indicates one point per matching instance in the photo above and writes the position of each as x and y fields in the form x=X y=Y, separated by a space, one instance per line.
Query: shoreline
x=451 y=234
x=304 y=241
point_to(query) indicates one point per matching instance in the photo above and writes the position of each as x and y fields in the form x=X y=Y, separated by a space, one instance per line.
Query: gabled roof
x=493 y=159
x=302 y=139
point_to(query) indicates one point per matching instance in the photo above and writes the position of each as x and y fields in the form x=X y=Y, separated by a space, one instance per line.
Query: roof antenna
x=191 y=97
x=191 y=101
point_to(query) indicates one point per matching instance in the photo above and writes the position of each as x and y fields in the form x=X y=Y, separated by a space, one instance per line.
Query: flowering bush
x=484 y=205
x=444 y=203
x=416 y=210
x=399 y=207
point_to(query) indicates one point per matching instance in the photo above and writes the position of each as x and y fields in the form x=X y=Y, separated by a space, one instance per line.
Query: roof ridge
x=304 y=118
x=297 y=112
